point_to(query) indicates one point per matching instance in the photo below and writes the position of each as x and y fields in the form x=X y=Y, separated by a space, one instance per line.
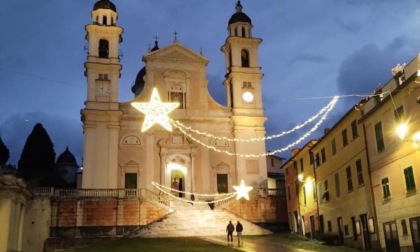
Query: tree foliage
x=4 y=153
x=37 y=161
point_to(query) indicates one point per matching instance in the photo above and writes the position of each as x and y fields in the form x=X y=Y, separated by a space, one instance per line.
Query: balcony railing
x=142 y=193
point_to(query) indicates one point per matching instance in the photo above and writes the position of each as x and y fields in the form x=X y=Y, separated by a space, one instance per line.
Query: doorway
x=365 y=232
x=178 y=183
x=415 y=234
x=391 y=236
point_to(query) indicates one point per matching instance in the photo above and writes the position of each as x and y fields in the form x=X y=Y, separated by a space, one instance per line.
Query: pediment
x=177 y=52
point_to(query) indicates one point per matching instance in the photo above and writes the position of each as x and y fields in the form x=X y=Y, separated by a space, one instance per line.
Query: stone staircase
x=196 y=220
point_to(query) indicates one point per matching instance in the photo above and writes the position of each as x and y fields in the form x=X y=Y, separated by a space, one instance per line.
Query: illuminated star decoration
x=242 y=190
x=155 y=111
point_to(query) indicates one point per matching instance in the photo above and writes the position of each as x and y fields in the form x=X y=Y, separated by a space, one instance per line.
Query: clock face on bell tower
x=248 y=96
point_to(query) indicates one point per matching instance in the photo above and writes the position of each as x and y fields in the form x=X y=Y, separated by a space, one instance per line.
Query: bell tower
x=101 y=114
x=244 y=96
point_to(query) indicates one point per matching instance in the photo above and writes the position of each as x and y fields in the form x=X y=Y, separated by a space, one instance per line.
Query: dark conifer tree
x=4 y=153
x=37 y=161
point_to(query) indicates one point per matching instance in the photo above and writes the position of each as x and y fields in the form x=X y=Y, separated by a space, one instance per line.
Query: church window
x=244 y=58
x=103 y=48
x=103 y=77
x=236 y=32
x=243 y=32
x=104 y=20
x=178 y=97
x=131 y=181
x=246 y=84
x=222 y=183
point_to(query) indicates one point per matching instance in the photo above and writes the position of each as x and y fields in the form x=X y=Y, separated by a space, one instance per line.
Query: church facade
x=211 y=147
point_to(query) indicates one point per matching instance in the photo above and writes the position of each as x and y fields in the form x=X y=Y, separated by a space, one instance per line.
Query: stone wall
x=260 y=210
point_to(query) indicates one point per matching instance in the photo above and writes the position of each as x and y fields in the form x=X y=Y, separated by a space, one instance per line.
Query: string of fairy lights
x=325 y=111
x=330 y=106
x=212 y=198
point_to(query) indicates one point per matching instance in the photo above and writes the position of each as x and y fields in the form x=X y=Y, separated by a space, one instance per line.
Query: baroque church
x=199 y=153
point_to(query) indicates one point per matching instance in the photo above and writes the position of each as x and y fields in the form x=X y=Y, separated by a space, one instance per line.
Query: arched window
x=104 y=20
x=103 y=48
x=245 y=58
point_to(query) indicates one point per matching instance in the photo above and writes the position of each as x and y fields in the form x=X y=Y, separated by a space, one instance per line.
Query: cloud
x=371 y=66
x=308 y=57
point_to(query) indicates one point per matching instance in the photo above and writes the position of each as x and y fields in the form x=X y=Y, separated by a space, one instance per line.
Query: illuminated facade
x=118 y=155
x=395 y=160
x=300 y=194
x=343 y=183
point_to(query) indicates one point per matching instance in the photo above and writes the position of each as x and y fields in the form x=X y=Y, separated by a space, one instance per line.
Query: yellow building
x=117 y=154
x=395 y=158
x=301 y=192
x=344 y=191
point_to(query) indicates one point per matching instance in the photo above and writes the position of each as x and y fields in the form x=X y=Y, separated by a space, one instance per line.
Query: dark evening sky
x=311 y=51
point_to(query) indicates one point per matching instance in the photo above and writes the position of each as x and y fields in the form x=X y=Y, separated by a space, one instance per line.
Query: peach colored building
x=301 y=192
x=395 y=160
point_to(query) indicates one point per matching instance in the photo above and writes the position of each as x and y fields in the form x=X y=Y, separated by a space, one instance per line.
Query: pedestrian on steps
x=239 y=229
x=229 y=229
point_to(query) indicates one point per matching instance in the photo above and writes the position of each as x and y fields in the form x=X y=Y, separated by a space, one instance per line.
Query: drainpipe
x=371 y=188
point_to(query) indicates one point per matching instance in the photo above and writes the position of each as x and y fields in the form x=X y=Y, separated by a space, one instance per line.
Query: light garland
x=155 y=111
x=164 y=189
x=178 y=124
x=307 y=134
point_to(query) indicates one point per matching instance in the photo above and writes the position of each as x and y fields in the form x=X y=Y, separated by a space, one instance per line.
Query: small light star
x=242 y=190
x=155 y=111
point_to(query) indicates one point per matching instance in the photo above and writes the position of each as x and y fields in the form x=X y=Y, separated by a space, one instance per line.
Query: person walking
x=239 y=229
x=229 y=229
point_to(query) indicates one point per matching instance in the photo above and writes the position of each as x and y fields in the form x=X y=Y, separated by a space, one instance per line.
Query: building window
x=244 y=58
x=304 y=195
x=385 y=188
x=344 y=136
x=317 y=159
x=409 y=179
x=329 y=226
x=399 y=114
x=337 y=185
x=311 y=157
x=380 y=145
x=301 y=165
x=404 y=227
x=325 y=194
x=222 y=183
x=295 y=165
x=130 y=180
x=354 y=132
x=323 y=157
x=178 y=97
x=297 y=187
x=103 y=48
x=103 y=77
x=288 y=192
x=349 y=179
x=246 y=84
x=360 y=180
x=333 y=147
x=314 y=190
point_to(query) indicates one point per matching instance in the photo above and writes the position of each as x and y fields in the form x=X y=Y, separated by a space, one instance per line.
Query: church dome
x=139 y=83
x=239 y=16
x=104 y=4
x=66 y=158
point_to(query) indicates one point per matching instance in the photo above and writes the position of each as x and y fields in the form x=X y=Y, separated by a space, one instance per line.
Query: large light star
x=242 y=190
x=155 y=111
